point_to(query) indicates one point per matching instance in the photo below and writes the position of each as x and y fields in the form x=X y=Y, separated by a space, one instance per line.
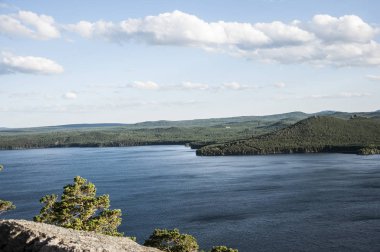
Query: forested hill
x=196 y=133
x=315 y=134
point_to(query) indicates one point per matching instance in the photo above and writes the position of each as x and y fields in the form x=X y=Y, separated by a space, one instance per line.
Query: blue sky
x=129 y=61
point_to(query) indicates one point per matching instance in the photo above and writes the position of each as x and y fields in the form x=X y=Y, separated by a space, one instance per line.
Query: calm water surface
x=306 y=202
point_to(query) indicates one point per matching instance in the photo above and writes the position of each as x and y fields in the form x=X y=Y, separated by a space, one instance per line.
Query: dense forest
x=197 y=136
x=316 y=134
x=196 y=133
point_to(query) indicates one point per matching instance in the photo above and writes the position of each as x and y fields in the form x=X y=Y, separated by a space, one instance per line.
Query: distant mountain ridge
x=314 y=134
x=296 y=115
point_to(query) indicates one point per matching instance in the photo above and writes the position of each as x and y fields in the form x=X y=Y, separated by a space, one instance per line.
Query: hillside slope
x=315 y=134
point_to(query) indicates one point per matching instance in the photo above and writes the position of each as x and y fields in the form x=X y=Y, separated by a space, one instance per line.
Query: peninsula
x=358 y=135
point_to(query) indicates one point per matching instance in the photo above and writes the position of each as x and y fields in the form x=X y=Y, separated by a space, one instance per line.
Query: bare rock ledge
x=22 y=235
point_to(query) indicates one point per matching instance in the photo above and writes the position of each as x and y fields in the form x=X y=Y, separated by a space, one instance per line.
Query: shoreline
x=331 y=150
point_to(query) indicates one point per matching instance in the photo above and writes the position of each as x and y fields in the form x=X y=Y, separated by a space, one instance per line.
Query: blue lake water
x=300 y=202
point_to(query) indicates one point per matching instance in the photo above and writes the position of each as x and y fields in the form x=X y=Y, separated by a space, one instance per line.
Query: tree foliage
x=172 y=241
x=369 y=150
x=5 y=205
x=80 y=209
x=223 y=249
x=315 y=134
x=198 y=133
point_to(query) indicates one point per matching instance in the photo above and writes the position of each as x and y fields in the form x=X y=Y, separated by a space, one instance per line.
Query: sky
x=92 y=61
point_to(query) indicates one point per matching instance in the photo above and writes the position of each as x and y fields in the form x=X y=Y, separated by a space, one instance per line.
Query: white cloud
x=195 y=86
x=174 y=28
x=236 y=86
x=352 y=54
x=349 y=28
x=284 y=34
x=232 y=85
x=187 y=86
x=350 y=95
x=339 y=95
x=280 y=85
x=373 y=77
x=10 y=63
x=71 y=95
x=212 y=88
x=325 y=40
x=29 y=24
x=83 y=28
x=146 y=85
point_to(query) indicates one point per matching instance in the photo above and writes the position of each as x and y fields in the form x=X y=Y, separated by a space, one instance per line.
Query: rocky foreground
x=22 y=235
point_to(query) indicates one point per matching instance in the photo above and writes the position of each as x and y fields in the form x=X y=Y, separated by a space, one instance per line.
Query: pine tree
x=80 y=209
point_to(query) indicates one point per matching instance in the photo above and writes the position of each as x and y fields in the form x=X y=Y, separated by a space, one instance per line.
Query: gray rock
x=22 y=235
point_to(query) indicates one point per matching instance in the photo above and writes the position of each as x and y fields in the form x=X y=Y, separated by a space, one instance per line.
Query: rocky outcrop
x=22 y=235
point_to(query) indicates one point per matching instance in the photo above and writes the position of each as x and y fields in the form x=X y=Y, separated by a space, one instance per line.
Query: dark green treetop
x=223 y=249
x=80 y=209
x=172 y=241
x=5 y=205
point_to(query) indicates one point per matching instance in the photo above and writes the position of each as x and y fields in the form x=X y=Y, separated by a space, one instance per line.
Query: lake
x=299 y=202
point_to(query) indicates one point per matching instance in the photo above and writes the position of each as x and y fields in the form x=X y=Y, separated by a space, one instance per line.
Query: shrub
x=5 y=205
x=223 y=249
x=172 y=241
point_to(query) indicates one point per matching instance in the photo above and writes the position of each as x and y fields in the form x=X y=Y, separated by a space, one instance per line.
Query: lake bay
x=300 y=202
